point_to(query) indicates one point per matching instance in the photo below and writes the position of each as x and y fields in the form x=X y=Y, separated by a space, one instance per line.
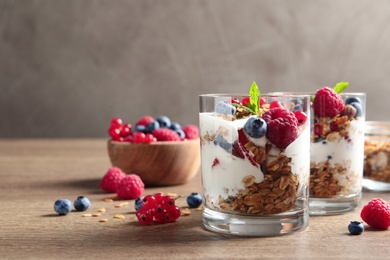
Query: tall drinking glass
x=337 y=156
x=255 y=166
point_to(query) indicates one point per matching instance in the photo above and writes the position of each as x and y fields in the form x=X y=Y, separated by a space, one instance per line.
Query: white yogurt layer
x=348 y=153
x=225 y=177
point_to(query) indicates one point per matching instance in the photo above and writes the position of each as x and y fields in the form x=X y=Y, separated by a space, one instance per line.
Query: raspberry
x=327 y=103
x=191 y=131
x=165 y=134
x=111 y=179
x=376 y=214
x=159 y=207
x=130 y=187
x=145 y=120
x=282 y=126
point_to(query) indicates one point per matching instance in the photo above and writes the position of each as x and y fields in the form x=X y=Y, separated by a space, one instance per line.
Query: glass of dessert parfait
x=337 y=151
x=255 y=163
x=376 y=174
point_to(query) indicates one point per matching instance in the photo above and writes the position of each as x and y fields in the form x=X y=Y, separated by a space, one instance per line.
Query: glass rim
x=268 y=94
x=310 y=93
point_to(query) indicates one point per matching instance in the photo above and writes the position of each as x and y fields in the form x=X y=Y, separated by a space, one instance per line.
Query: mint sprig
x=254 y=98
x=340 y=87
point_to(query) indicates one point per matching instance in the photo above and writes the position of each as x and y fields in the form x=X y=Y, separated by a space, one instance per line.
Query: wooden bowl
x=159 y=163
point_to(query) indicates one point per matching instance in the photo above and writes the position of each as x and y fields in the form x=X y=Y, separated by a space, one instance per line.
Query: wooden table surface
x=36 y=172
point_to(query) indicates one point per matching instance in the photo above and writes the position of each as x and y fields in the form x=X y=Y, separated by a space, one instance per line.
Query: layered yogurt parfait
x=255 y=154
x=337 y=150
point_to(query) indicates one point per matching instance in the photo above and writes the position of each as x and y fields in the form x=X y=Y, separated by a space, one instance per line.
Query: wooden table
x=35 y=173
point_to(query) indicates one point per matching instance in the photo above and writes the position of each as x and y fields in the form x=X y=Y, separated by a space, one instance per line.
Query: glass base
x=255 y=226
x=373 y=185
x=333 y=206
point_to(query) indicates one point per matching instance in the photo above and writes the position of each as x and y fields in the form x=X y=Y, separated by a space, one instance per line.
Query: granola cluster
x=376 y=163
x=277 y=193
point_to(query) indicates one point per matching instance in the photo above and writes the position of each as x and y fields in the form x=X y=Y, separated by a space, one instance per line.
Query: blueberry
x=355 y=228
x=164 y=121
x=194 y=200
x=255 y=127
x=174 y=126
x=180 y=132
x=358 y=107
x=350 y=100
x=222 y=143
x=139 y=128
x=138 y=204
x=152 y=126
x=62 y=206
x=297 y=108
x=81 y=203
x=320 y=139
x=225 y=108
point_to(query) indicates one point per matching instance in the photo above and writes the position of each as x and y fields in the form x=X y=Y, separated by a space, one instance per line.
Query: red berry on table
x=327 y=103
x=174 y=213
x=116 y=122
x=111 y=179
x=376 y=214
x=149 y=201
x=301 y=117
x=167 y=202
x=145 y=120
x=191 y=132
x=130 y=187
x=159 y=196
x=282 y=126
x=163 y=217
x=145 y=216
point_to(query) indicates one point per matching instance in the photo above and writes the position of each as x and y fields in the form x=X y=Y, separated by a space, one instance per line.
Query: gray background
x=68 y=66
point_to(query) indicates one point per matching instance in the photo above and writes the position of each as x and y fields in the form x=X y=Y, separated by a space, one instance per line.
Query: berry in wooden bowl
x=160 y=152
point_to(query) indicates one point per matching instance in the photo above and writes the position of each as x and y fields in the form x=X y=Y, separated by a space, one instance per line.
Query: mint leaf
x=244 y=107
x=340 y=87
x=254 y=98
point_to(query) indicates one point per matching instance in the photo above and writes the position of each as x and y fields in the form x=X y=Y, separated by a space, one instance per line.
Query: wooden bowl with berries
x=161 y=152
